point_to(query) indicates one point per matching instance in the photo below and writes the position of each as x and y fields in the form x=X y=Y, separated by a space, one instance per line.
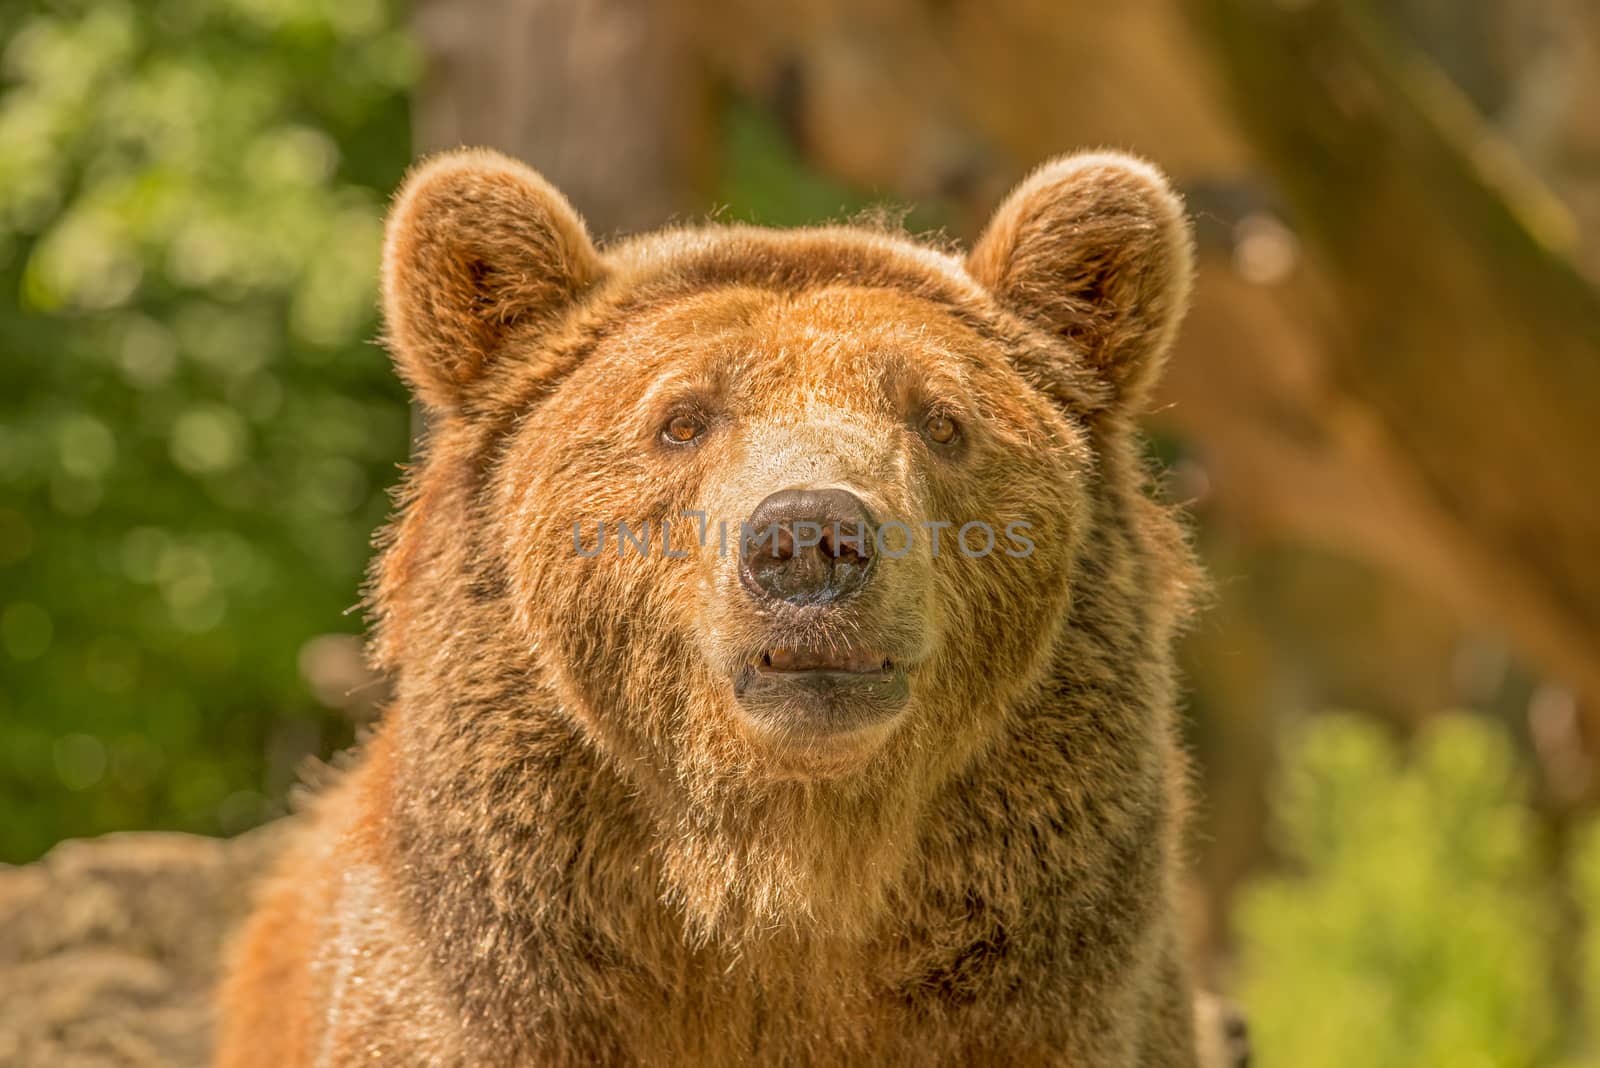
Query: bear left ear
x=1096 y=249
x=476 y=246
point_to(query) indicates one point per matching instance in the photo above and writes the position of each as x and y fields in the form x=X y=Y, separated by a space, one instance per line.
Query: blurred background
x=1384 y=413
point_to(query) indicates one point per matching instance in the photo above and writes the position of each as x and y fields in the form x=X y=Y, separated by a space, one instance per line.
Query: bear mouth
x=803 y=694
x=782 y=661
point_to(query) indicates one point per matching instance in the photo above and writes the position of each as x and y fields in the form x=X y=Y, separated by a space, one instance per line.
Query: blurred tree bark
x=1457 y=319
x=600 y=95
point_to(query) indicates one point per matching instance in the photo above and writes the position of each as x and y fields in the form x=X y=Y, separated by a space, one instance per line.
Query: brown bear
x=780 y=630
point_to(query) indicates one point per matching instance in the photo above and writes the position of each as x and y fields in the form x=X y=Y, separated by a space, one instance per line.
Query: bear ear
x=1096 y=249
x=476 y=246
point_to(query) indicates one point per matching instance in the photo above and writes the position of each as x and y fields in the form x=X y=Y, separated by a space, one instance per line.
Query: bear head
x=772 y=532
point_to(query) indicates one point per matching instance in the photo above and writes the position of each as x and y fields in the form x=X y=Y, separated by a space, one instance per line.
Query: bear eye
x=681 y=430
x=941 y=428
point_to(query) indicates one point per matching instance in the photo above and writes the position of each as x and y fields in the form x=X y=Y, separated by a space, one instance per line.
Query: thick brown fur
x=567 y=844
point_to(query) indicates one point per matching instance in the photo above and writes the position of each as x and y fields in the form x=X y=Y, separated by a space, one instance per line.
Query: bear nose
x=807 y=546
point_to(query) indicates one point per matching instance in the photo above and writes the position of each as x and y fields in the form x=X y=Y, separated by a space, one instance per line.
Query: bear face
x=666 y=655
x=782 y=528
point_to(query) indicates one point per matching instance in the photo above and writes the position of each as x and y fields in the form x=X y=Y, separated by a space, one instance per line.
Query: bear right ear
x=476 y=246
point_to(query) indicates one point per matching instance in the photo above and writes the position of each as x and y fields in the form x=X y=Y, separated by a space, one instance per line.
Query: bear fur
x=568 y=842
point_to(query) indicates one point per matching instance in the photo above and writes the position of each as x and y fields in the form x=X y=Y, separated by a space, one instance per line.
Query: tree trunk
x=1457 y=320
x=600 y=95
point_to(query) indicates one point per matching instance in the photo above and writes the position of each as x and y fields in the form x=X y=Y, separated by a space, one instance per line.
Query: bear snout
x=807 y=546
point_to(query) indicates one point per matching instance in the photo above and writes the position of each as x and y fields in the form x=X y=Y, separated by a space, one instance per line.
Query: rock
x=109 y=948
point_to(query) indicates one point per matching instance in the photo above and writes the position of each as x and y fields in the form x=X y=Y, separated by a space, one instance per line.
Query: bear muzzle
x=808 y=557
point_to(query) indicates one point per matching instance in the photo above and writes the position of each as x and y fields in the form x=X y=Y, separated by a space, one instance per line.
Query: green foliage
x=195 y=431
x=1414 y=928
x=1586 y=886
